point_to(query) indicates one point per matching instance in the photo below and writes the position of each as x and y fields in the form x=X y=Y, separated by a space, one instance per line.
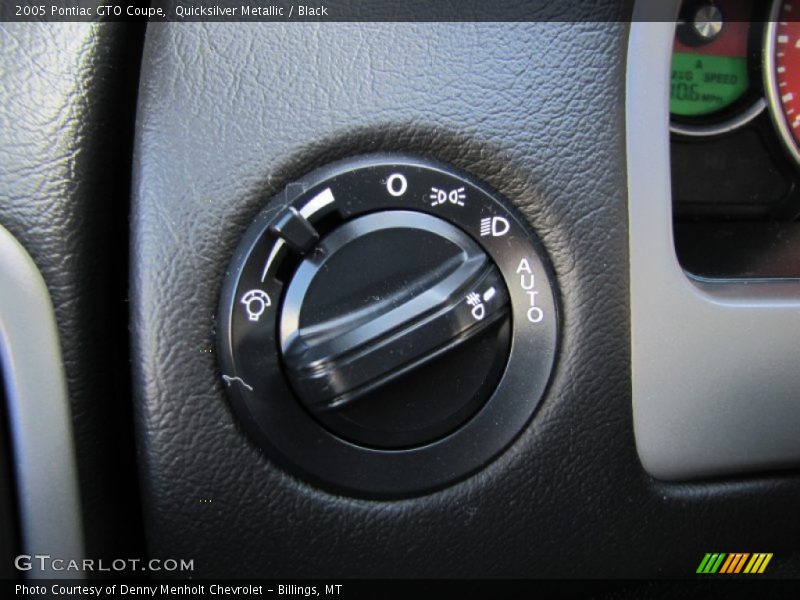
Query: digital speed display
x=709 y=61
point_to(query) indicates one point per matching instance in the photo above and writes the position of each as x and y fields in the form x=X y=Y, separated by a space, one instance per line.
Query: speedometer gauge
x=714 y=81
x=782 y=72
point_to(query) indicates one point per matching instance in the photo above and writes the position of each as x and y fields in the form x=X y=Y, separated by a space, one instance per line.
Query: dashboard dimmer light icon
x=256 y=302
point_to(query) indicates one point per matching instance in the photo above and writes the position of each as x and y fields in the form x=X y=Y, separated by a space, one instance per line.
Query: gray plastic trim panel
x=715 y=365
x=39 y=414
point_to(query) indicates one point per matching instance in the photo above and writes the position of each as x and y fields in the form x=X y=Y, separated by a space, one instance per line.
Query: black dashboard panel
x=534 y=109
x=223 y=116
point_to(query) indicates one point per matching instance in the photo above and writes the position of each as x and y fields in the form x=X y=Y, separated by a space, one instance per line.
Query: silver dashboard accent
x=39 y=413
x=716 y=383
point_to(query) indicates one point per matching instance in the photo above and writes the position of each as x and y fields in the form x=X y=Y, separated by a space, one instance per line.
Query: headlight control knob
x=395 y=329
x=387 y=326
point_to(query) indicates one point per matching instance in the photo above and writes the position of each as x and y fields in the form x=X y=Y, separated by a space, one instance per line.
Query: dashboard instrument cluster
x=735 y=138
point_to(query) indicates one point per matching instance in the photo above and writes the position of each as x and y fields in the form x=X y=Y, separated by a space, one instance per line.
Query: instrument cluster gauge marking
x=782 y=72
x=714 y=82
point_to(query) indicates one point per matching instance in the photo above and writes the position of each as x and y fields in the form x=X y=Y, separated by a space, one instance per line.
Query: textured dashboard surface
x=228 y=114
x=63 y=172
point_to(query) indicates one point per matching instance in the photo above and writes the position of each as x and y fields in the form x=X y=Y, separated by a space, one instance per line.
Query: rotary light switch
x=401 y=348
x=387 y=325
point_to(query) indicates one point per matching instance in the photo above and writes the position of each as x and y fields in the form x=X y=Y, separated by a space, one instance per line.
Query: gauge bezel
x=726 y=126
x=771 y=85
